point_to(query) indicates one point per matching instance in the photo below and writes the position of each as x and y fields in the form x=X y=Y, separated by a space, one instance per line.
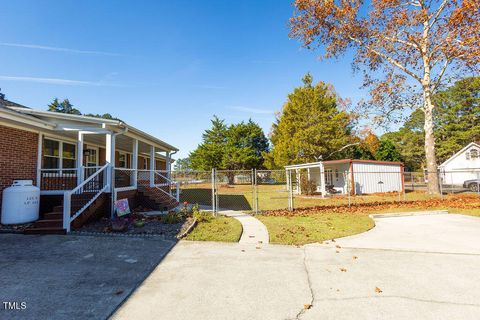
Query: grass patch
x=223 y=229
x=468 y=212
x=315 y=227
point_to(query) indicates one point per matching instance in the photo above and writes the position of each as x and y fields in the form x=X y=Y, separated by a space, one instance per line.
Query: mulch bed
x=450 y=201
x=169 y=229
x=152 y=226
x=14 y=228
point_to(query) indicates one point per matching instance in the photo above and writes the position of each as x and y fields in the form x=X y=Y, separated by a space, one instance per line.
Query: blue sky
x=165 y=67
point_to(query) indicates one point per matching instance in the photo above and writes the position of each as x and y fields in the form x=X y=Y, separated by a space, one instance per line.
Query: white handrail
x=171 y=182
x=67 y=199
x=89 y=179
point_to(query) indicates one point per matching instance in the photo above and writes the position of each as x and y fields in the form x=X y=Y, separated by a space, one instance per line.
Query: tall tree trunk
x=433 y=186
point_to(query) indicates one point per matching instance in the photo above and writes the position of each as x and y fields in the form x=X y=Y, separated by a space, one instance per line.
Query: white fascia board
x=304 y=165
x=65 y=116
x=26 y=119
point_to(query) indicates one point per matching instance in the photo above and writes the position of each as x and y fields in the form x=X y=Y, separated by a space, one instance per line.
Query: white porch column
x=323 y=188
x=134 y=163
x=110 y=158
x=80 y=158
x=299 y=187
x=308 y=174
x=39 y=159
x=152 y=166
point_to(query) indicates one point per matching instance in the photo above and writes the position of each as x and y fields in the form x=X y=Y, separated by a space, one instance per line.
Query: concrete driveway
x=72 y=277
x=413 y=267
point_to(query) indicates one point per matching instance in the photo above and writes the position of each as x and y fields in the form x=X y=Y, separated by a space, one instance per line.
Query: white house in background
x=367 y=176
x=462 y=166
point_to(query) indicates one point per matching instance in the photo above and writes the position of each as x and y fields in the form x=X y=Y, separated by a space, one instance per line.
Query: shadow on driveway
x=73 y=277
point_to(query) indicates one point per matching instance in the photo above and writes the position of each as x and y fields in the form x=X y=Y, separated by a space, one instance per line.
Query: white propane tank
x=20 y=202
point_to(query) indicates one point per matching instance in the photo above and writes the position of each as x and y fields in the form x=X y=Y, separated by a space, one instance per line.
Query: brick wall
x=18 y=156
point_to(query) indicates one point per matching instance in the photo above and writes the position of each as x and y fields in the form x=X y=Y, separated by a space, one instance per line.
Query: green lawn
x=314 y=228
x=223 y=229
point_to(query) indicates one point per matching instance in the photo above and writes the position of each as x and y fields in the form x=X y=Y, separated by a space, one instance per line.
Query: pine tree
x=309 y=127
x=63 y=107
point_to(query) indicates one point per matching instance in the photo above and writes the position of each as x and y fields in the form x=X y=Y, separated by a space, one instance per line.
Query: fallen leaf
x=307 y=306
x=337 y=246
x=337 y=251
x=257 y=247
x=243 y=250
x=355 y=257
x=333 y=240
x=343 y=269
x=378 y=290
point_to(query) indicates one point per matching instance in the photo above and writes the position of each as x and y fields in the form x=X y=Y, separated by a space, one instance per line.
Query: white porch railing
x=84 y=195
x=57 y=181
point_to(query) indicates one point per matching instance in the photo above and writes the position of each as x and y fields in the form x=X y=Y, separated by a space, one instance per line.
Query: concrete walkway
x=254 y=231
x=417 y=267
x=423 y=232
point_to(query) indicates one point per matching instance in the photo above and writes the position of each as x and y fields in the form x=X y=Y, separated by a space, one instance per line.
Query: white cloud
x=66 y=82
x=59 y=49
x=252 y=110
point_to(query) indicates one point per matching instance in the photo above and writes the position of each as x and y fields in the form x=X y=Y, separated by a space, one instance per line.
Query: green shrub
x=308 y=186
x=202 y=216
x=171 y=218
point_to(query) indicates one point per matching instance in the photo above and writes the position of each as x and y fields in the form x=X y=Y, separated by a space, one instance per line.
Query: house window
x=58 y=154
x=91 y=157
x=68 y=155
x=328 y=177
x=473 y=154
x=122 y=160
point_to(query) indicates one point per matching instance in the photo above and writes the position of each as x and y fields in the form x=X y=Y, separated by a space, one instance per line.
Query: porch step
x=44 y=230
x=54 y=215
x=52 y=222
x=48 y=223
x=158 y=200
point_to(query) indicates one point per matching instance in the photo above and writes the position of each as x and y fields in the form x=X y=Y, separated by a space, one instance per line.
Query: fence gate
x=234 y=190
x=195 y=187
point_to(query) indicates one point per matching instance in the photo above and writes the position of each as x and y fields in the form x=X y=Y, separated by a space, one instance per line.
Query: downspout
x=170 y=164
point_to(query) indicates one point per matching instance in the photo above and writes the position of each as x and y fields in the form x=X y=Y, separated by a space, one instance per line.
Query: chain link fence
x=255 y=191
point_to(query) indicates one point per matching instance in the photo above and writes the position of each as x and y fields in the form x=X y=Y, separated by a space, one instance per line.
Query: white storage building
x=356 y=176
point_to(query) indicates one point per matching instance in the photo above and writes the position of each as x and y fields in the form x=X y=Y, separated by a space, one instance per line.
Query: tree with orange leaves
x=407 y=50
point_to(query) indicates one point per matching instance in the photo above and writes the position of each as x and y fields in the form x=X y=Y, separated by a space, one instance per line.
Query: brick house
x=82 y=164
